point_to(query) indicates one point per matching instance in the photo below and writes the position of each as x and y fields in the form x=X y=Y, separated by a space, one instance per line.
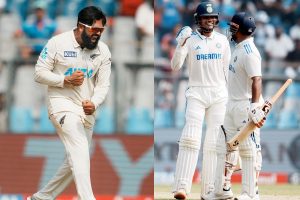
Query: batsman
x=244 y=104
x=207 y=53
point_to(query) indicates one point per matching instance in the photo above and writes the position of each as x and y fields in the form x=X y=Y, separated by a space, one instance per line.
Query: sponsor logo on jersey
x=218 y=45
x=198 y=47
x=209 y=56
x=44 y=53
x=71 y=70
x=70 y=54
x=231 y=68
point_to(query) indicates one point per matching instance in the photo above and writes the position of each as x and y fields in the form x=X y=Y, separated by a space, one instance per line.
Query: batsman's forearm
x=256 y=88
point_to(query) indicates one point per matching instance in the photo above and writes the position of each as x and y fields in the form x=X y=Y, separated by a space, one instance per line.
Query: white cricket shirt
x=61 y=56
x=245 y=63
x=207 y=59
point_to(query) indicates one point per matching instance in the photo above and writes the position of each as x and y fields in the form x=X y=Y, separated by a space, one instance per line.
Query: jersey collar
x=204 y=37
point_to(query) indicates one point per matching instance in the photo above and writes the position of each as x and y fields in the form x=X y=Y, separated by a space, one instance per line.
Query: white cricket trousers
x=76 y=135
x=249 y=149
x=208 y=102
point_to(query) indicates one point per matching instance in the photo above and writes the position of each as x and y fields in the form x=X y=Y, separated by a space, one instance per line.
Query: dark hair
x=89 y=14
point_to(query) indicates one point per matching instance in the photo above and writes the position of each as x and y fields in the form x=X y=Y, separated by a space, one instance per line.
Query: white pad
x=248 y=150
x=258 y=168
x=226 y=165
x=258 y=160
x=230 y=165
x=249 y=176
x=208 y=172
x=219 y=175
x=214 y=119
x=186 y=164
x=228 y=161
x=248 y=155
x=189 y=144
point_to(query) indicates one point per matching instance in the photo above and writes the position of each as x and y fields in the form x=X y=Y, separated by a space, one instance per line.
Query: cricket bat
x=250 y=126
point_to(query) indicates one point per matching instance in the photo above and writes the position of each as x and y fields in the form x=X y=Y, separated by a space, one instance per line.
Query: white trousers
x=249 y=149
x=76 y=135
x=208 y=102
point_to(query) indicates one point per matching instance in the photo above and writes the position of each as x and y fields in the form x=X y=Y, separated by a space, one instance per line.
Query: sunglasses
x=92 y=29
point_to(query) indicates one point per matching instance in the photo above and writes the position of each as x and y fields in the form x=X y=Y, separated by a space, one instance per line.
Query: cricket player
x=207 y=53
x=245 y=99
x=76 y=66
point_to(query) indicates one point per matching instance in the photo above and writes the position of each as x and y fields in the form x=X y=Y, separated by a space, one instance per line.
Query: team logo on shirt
x=218 y=45
x=44 y=53
x=70 y=54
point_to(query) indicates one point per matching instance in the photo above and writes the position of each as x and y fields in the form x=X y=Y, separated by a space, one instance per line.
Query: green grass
x=283 y=190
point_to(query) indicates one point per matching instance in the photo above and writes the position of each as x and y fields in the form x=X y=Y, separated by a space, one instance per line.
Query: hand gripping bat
x=250 y=126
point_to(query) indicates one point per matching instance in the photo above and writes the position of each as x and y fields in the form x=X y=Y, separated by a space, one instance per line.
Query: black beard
x=87 y=42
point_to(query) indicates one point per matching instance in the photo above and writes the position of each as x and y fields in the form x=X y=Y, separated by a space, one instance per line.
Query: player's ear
x=80 y=27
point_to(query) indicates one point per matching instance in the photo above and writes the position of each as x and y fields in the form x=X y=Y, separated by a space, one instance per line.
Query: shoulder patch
x=44 y=53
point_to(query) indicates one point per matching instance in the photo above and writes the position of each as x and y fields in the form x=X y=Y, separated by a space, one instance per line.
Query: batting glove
x=184 y=33
x=256 y=114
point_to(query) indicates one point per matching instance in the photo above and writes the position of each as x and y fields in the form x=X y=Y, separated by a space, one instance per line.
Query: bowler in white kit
x=207 y=55
x=76 y=67
x=244 y=101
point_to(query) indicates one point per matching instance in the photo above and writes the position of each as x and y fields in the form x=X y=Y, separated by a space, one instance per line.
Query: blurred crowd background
x=26 y=26
x=277 y=37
